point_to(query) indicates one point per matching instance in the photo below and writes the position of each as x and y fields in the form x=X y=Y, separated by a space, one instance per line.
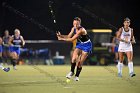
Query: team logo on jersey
x=126 y=34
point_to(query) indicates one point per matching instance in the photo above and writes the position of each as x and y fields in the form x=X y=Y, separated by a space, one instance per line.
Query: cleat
x=6 y=69
x=132 y=74
x=69 y=75
x=76 y=78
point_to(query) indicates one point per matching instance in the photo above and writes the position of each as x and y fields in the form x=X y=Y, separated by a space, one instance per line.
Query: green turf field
x=51 y=79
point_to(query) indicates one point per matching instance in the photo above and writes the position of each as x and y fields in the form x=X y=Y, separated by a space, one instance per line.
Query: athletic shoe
x=132 y=74
x=76 y=78
x=6 y=69
x=14 y=68
x=69 y=75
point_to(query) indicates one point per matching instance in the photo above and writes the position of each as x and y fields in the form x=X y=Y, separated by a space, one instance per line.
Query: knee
x=79 y=65
x=14 y=55
x=121 y=60
x=73 y=60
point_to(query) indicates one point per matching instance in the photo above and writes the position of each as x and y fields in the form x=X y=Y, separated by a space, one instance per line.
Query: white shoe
x=76 y=78
x=69 y=75
x=132 y=74
x=14 y=68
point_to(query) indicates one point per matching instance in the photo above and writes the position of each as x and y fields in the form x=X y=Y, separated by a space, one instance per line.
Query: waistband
x=86 y=41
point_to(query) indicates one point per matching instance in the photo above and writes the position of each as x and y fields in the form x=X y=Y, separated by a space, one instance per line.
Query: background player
x=82 y=49
x=115 y=41
x=1 y=62
x=126 y=38
x=6 y=49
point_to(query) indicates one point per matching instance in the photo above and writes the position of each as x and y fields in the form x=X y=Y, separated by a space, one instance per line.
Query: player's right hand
x=58 y=33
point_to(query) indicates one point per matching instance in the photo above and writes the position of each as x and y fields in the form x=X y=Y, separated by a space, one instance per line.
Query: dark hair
x=78 y=19
x=127 y=19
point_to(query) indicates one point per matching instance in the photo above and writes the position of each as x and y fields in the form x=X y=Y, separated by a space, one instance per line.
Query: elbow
x=72 y=39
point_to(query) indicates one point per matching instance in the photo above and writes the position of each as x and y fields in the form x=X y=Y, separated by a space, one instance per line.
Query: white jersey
x=125 y=47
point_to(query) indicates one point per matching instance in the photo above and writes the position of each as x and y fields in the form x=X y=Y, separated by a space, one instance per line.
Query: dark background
x=112 y=11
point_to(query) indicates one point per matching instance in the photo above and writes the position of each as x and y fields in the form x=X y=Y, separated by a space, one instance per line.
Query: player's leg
x=79 y=65
x=116 y=54
x=1 y=65
x=14 y=58
x=120 y=64
x=130 y=63
x=116 y=57
x=5 y=55
x=1 y=62
x=8 y=55
x=73 y=62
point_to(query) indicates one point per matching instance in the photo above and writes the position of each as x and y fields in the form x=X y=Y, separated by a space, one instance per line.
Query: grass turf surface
x=51 y=79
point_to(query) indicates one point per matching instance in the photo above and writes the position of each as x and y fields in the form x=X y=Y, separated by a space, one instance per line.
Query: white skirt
x=125 y=47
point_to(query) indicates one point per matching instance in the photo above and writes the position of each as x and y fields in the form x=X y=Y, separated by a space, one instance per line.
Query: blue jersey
x=84 y=43
x=6 y=41
x=116 y=45
x=16 y=42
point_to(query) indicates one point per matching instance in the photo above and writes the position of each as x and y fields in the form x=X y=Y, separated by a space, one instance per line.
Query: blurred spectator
x=115 y=41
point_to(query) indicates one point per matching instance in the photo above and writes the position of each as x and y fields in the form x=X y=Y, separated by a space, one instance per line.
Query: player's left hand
x=58 y=33
x=133 y=42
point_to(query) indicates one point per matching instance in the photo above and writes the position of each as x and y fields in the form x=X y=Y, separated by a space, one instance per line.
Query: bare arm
x=72 y=38
x=23 y=41
x=71 y=33
x=10 y=40
x=113 y=40
x=66 y=36
x=119 y=34
x=63 y=36
x=1 y=40
x=132 y=38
